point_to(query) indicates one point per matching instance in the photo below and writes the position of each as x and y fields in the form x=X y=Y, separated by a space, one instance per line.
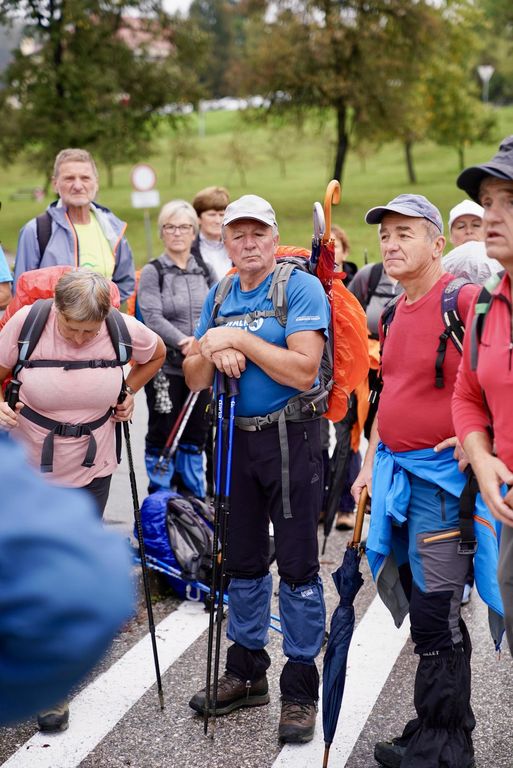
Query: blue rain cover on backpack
x=154 y=521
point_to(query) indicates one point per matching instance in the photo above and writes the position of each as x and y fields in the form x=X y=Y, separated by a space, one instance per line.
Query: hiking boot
x=54 y=719
x=389 y=755
x=233 y=693
x=297 y=722
x=345 y=521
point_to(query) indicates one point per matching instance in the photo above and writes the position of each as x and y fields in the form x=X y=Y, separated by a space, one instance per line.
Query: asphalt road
x=116 y=720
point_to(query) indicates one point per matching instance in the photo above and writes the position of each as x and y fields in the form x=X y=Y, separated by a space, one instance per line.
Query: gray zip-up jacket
x=174 y=312
x=62 y=248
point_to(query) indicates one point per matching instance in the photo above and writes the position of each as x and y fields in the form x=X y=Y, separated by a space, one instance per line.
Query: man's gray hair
x=74 y=156
x=83 y=296
x=174 y=207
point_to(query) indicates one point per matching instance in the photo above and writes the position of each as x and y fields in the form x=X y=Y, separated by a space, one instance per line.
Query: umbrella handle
x=332 y=197
x=360 y=513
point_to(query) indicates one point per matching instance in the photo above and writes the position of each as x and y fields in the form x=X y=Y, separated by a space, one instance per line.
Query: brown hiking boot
x=297 y=722
x=233 y=693
x=54 y=718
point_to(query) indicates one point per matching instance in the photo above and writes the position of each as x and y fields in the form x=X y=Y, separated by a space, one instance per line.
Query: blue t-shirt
x=5 y=273
x=308 y=310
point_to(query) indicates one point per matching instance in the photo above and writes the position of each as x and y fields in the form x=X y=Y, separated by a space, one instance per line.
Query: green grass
x=308 y=162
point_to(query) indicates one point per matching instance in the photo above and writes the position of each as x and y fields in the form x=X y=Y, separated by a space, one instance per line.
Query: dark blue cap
x=500 y=166
x=416 y=206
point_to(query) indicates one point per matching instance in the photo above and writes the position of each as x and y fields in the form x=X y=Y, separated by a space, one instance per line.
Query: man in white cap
x=277 y=464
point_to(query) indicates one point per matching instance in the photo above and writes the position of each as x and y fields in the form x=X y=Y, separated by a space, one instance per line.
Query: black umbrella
x=348 y=581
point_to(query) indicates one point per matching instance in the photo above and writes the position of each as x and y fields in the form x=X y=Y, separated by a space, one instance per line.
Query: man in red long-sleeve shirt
x=491 y=184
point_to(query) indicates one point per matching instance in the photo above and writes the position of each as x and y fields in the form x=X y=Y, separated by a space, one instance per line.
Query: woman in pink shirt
x=76 y=331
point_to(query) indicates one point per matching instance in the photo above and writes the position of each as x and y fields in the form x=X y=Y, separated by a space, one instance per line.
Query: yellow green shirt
x=94 y=248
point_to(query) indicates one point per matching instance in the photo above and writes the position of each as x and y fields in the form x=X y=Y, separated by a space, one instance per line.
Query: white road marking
x=375 y=646
x=98 y=708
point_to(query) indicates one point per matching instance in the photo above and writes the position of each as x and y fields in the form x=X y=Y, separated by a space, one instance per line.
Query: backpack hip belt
x=303 y=407
x=62 y=429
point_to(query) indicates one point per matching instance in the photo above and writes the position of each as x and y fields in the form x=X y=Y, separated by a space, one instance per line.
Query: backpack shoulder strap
x=374 y=278
x=278 y=289
x=31 y=331
x=119 y=335
x=200 y=261
x=450 y=314
x=43 y=231
x=160 y=271
x=388 y=314
x=483 y=304
x=224 y=287
x=454 y=328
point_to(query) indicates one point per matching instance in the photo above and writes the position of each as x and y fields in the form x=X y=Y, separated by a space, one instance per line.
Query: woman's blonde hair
x=169 y=210
x=83 y=296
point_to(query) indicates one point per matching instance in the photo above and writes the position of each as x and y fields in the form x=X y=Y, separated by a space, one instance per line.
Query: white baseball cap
x=465 y=208
x=250 y=207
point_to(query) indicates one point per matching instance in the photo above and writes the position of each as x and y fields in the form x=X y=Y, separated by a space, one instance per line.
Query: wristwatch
x=129 y=389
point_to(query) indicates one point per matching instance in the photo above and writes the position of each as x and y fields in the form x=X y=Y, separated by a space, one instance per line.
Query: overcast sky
x=172 y=6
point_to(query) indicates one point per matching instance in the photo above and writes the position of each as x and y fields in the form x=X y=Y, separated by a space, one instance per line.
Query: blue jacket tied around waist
x=386 y=543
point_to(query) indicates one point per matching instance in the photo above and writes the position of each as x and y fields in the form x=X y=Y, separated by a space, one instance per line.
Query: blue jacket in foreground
x=62 y=247
x=65 y=588
x=390 y=499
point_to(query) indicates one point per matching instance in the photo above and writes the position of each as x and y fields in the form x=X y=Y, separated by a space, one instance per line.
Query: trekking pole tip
x=324 y=545
x=161 y=699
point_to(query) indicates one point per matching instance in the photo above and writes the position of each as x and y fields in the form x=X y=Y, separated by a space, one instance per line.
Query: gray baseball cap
x=416 y=206
x=250 y=207
x=500 y=166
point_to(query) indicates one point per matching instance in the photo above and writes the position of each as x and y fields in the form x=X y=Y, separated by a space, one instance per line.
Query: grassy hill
x=288 y=167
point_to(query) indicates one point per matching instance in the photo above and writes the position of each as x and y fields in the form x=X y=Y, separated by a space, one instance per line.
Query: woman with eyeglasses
x=171 y=292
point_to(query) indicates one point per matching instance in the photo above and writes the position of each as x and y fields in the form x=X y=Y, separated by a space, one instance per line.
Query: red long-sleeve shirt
x=494 y=377
x=412 y=412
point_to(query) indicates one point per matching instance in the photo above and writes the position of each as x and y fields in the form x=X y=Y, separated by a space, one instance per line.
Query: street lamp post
x=485 y=72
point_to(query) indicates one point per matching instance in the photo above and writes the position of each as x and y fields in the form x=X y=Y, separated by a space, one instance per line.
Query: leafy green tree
x=343 y=57
x=90 y=78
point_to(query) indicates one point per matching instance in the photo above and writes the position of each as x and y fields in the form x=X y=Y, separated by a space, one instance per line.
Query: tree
x=90 y=75
x=342 y=57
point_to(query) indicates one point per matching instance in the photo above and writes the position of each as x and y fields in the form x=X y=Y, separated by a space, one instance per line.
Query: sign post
x=143 y=179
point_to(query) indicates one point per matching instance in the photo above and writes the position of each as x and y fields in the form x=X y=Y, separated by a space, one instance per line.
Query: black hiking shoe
x=297 y=722
x=233 y=693
x=54 y=719
x=389 y=755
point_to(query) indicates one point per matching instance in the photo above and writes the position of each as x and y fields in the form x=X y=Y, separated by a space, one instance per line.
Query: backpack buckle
x=467 y=547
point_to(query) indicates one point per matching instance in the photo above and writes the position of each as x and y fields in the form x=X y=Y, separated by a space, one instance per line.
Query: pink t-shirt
x=74 y=396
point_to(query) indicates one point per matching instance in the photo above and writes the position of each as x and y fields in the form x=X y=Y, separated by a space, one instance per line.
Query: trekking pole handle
x=233 y=387
x=13 y=393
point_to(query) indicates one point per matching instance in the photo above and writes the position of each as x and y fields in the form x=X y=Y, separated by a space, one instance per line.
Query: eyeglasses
x=172 y=228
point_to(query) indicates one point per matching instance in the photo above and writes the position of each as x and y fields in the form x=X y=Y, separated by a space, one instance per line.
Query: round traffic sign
x=143 y=177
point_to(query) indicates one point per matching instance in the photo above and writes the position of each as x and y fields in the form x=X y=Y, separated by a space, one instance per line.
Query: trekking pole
x=142 y=554
x=176 y=432
x=220 y=393
x=233 y=391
